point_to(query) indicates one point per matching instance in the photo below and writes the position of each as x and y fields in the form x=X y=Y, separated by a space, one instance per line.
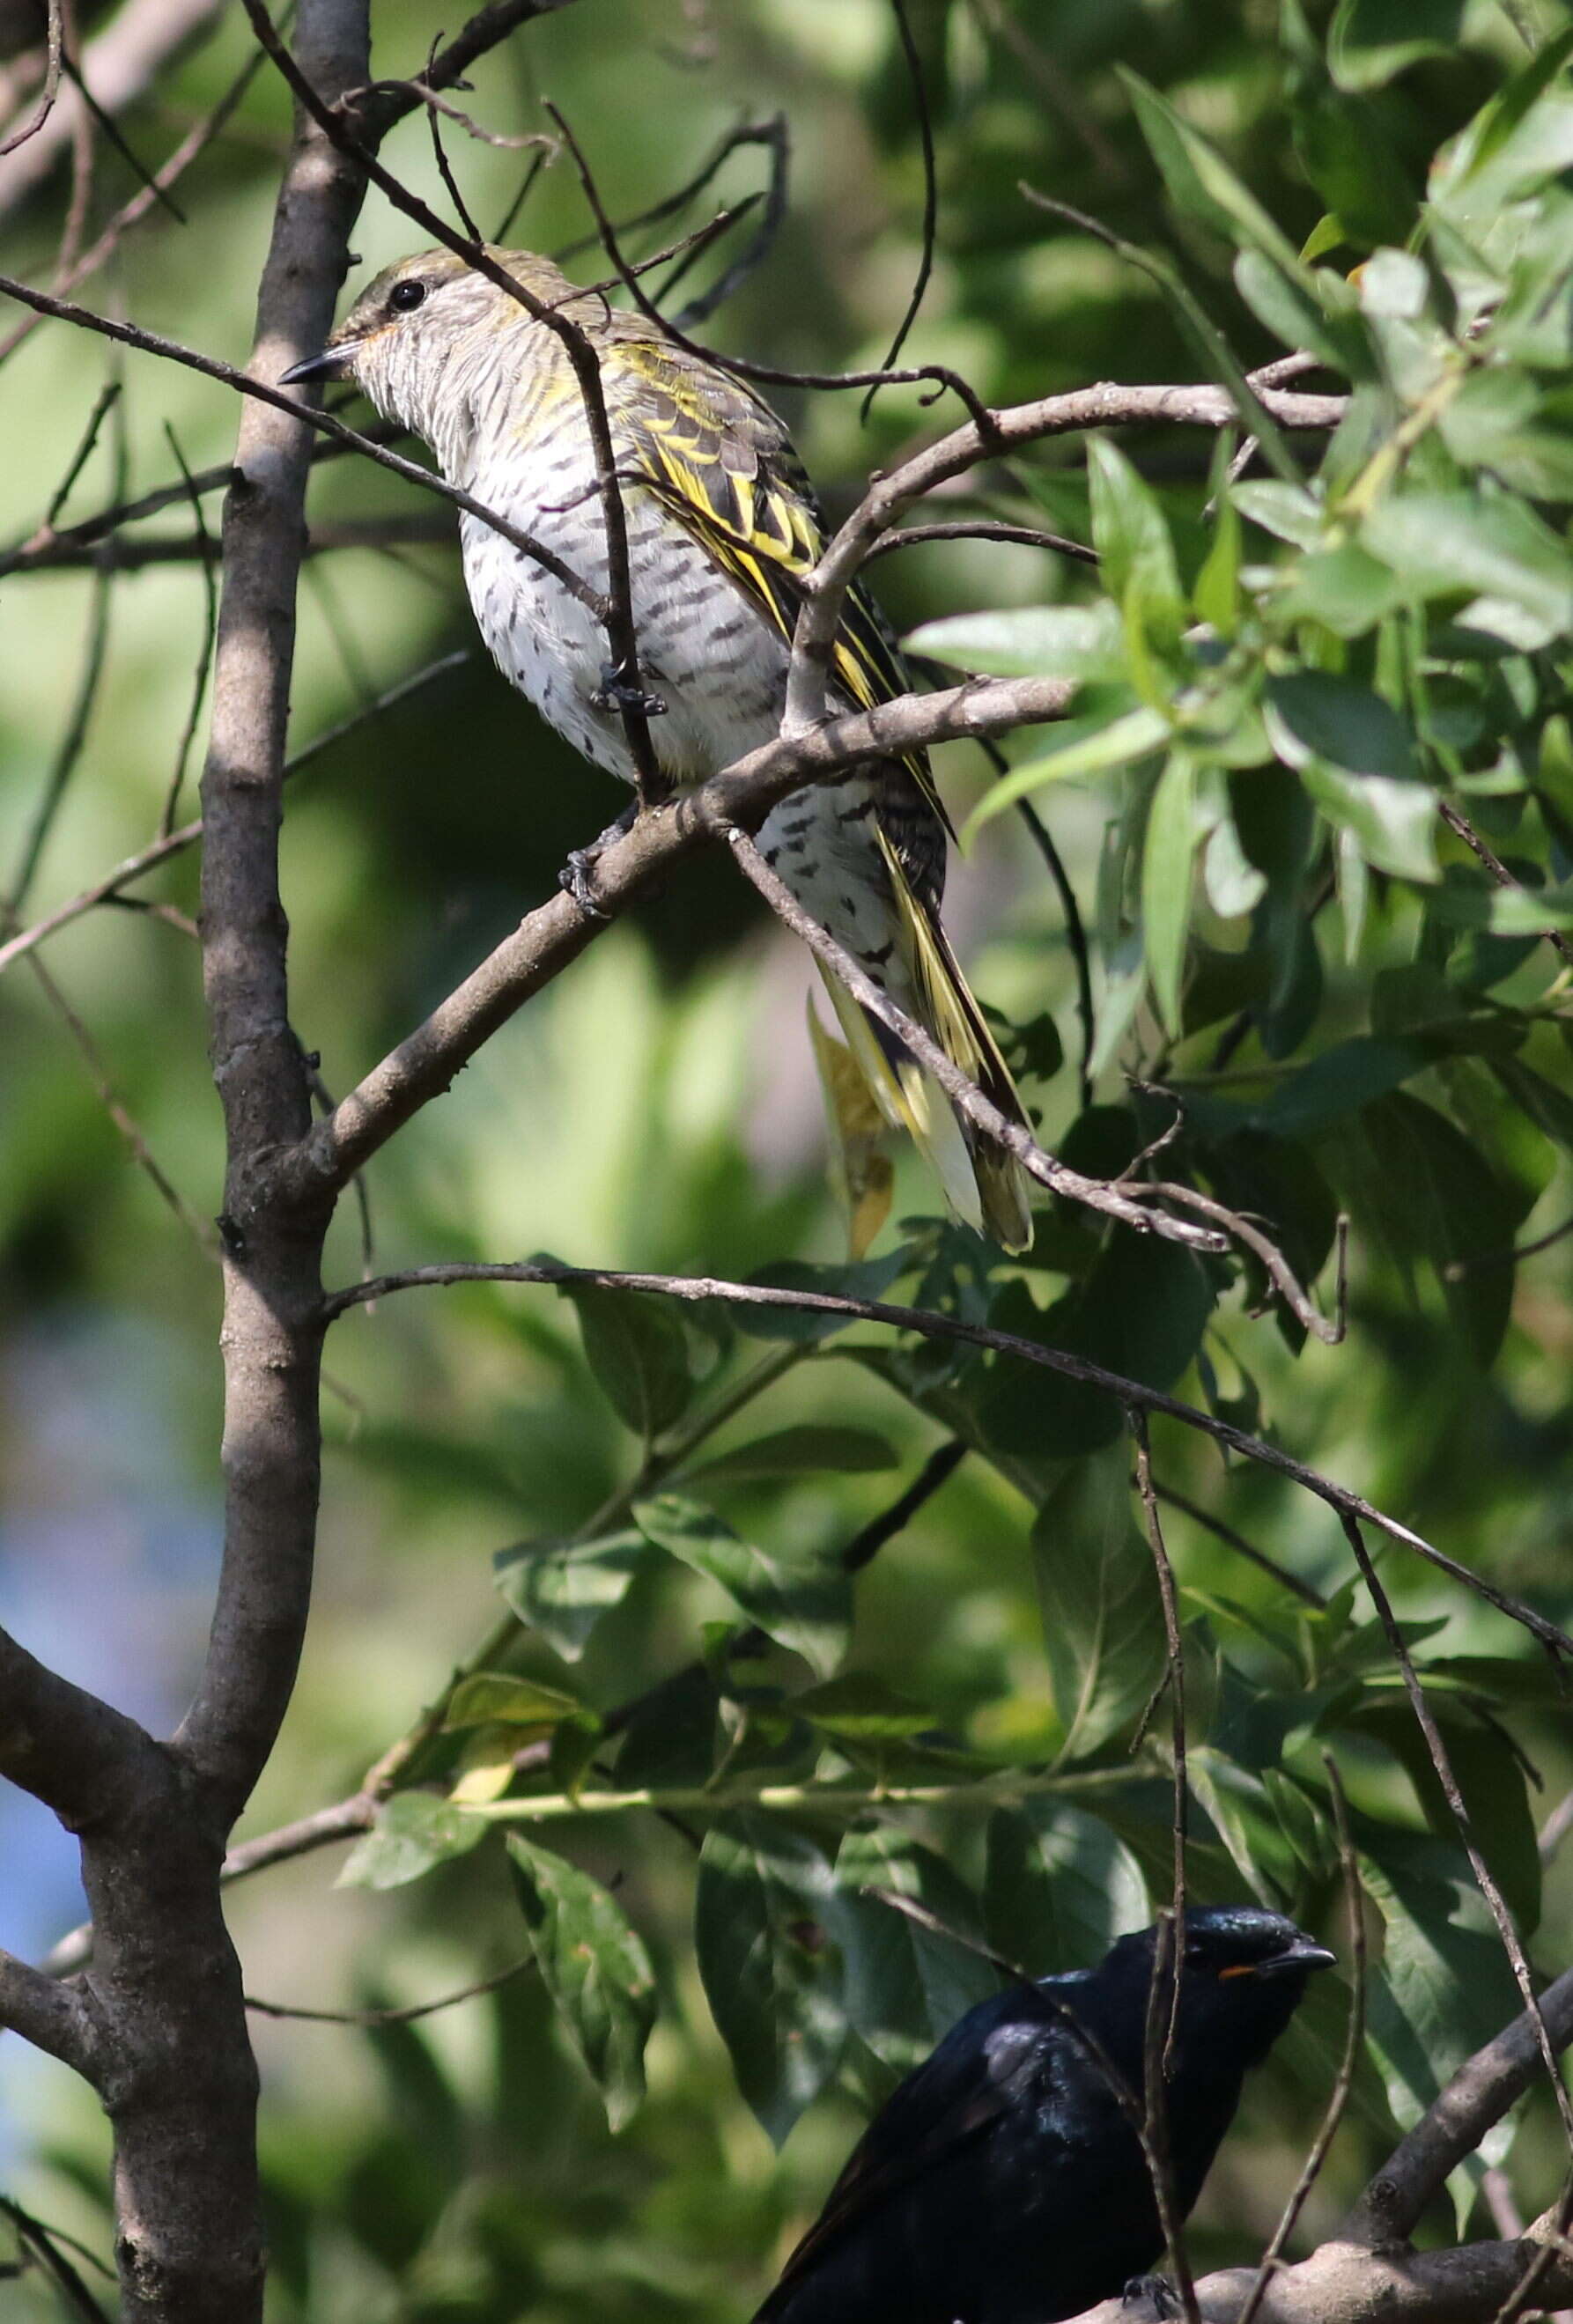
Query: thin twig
x=914 y=63
x=1075 y=933
x=175 y=843
x=76 y=734
x=371 y=2018
x=1459 y=823
x=44 y=2244
x=1174 y=1647
x=769 y=375
x=930 y=1325
x=988 y=1117
x=43 y=302
x=1484 y=1880
x=435 y=107
x=1019 y=536
x=51 y=84
x=109 y=395
x=1157 y=2052
x=1555 y=1828
x=937 y=1470
x=616 y=611
x=204 y=652
x=1457 y=1268
x=775 y=136
x=1353 y=2042
x=119 y=1113
x=132 y=212
x=1236 y=1540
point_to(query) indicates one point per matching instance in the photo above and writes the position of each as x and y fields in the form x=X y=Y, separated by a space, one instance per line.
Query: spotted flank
x=723 y=527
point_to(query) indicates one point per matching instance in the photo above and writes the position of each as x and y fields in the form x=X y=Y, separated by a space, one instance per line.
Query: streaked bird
x=722 y=528
x=1002 y=2183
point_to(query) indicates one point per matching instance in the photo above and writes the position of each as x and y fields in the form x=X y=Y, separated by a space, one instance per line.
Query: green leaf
x=414 y=1831
x=1450 y=1205
x=594 y=1965
x=1444 y=1987
x=1440 y=543
x=1200 y=183
x=496 y=1698
x=1167 y=858
x=1236 y=1803
x=1061 y=1886
x=1139 y=1311
x=1111 y=742
x=1130 y=534
x=764 y=1907
x=806 y=1608
x=1373 y=39
x=563 y=1588
x=860 y=1707
x=1394 y=823
x=906 y=1985
x=1491 y=1783
x=1102 y=1623
x=868 y=1278
x=1345 y=589
x=1288 y=512
x=811 y=1449
x=1030 y=642
x=639 y=1353
x=1463 y=902
x=1313 y=715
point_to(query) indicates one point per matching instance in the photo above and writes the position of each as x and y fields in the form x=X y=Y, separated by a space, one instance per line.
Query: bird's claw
x=612 y=694
x=1154 y=2292
x=577 y=877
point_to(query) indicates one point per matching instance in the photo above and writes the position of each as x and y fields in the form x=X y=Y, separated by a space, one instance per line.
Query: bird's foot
x=578 y=875
x=614 y=694
x=1154 y=2292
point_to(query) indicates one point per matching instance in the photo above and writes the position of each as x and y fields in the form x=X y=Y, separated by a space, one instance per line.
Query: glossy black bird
x=1002 y=2183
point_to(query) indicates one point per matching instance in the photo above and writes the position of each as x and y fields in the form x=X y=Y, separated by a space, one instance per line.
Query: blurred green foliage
x=1280 y=674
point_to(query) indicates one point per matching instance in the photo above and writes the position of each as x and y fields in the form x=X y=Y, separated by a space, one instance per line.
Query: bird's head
x=424 y=333
x=1243 y=1975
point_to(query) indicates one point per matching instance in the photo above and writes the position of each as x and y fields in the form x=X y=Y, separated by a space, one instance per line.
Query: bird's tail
x=984 y=1182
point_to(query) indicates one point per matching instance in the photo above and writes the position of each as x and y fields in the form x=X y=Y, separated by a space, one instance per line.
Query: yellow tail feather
x=985 y=1186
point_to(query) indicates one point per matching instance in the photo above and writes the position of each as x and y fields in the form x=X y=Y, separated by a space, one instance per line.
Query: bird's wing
x=972 y=2080
x=723 y=464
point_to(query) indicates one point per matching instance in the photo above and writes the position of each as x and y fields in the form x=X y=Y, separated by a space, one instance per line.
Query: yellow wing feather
x=723 y=465
x=722 y=462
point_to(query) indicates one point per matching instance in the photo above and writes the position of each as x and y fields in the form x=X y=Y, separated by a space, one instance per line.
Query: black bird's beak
x=332 y=362
x=1299 y=1955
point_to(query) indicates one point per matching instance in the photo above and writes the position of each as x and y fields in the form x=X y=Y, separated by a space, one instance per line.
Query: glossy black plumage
x=1001 y=2183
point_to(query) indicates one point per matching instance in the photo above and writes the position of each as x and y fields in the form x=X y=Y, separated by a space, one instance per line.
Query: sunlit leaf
x=806 y=1607
x=763 y=1913
x=414 y=1831
x=1103 y=1624
x=594 y=1965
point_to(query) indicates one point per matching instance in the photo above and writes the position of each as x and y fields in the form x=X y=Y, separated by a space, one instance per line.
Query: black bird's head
x=1242 y=1977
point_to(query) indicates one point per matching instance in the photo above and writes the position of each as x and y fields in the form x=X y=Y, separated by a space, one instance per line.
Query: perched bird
x=1002 y=2183
x=722 y=527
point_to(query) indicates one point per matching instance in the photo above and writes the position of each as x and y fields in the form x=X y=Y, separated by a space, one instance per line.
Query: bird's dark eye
x=406 y=295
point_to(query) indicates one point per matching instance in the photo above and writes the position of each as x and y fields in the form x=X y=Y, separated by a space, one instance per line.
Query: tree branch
x=1479 y=2095
x=78 y=1754
x=974 y=1335
x=543 y=945
x=1345 y=2283
x=258 y=391
x=47 y=2014
x=1104 y=406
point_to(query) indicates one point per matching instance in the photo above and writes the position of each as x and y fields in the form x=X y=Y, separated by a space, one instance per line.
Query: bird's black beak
x=1300 y=1956
x=332 y=362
